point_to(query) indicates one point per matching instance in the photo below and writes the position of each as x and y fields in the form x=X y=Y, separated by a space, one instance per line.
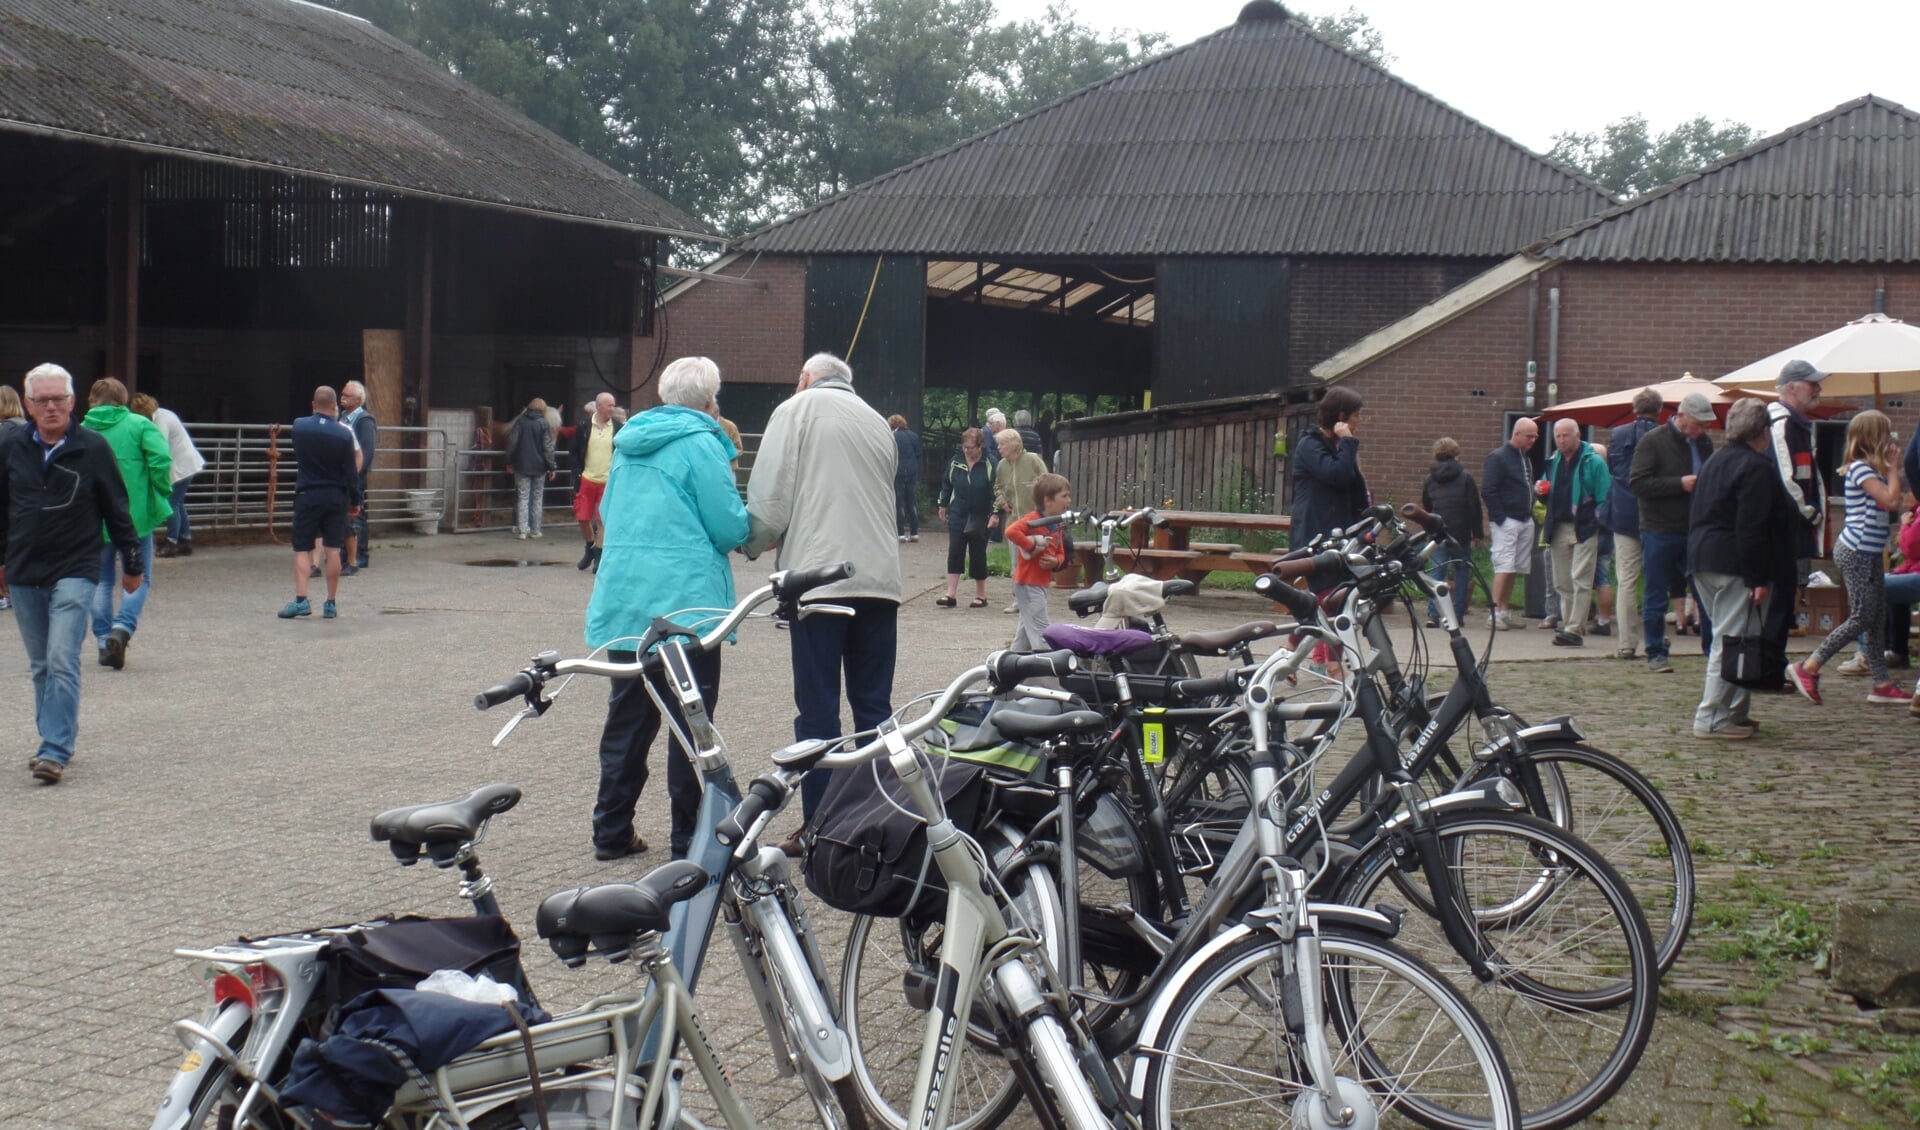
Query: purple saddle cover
x=1097 y=641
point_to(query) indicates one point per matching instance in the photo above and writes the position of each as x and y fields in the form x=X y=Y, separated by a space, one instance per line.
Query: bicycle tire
x=1385 y=1008
x=1618 y=812
x=1573 y=1011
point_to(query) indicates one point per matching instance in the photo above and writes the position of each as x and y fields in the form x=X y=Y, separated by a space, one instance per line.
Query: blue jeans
x=865 y=645
x=53 y=622
x=104 y=618
x=179 y=526
x=1664 y=565
x=1456 y=569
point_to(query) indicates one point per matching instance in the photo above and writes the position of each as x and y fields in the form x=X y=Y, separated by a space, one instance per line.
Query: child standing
x=1038 y=553
x=1873 y=491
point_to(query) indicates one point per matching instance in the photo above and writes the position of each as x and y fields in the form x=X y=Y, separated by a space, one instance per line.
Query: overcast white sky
x=1534 y=68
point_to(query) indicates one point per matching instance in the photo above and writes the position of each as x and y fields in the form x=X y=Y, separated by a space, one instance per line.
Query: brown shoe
x=636 y=846
x=795 y=845
x=46 y=770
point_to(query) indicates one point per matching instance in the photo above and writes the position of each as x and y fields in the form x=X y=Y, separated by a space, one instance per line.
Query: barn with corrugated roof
x=1781 y=242
x=229 y=202
x=1204 y=226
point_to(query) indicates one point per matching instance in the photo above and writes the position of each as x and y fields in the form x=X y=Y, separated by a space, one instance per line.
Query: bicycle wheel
x=884 y=1025
x=1396 y=1028
x=1620 y=814
x=1574 y=994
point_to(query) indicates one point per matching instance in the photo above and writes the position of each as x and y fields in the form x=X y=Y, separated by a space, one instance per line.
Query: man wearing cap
x=1791 y=439
x=1666 y=463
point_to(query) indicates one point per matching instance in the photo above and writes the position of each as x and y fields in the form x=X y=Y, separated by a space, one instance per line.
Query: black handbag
x=1743 y=658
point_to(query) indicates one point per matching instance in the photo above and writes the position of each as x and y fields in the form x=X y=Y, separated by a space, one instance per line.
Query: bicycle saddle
x=1220 y=642
x=449 y=822
x=1087 y=601
x=1096 y=641
x=607 y=918
x=1014 y=724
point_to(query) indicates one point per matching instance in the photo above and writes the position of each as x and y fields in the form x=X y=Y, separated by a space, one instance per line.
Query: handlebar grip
x=1332 y=559
x=516 y=687
x=793 y=583
x=1299 y=602
x=763 y=793
x=1210 y=687
x=1430 y=522
x=1006 y=668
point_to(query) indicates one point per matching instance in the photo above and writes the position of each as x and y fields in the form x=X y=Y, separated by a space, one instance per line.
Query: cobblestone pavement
x=225 y=777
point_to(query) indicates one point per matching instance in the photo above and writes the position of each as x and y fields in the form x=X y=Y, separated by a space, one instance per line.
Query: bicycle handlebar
x=1299 y=602
x=764 y=793
x=519 y=686
x=1005 y=668
x=909 y=730
x=1435 y=526
x=791 y=584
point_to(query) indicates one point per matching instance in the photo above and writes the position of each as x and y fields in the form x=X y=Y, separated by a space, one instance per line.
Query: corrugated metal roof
x=1843 y=187
x=299 y=88
x=1259 y=139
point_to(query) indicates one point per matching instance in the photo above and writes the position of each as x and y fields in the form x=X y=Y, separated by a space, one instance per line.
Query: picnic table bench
x=1169 y=551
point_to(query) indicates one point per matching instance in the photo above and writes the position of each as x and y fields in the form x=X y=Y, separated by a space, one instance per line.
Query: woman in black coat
x=966 y=502
x=1329 y=491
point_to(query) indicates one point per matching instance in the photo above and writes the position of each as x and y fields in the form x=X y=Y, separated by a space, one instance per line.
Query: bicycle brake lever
x=523 y=714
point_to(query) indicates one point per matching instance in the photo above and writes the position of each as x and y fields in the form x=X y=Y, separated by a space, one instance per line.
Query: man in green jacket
x=146 y=466
x=1574 y=487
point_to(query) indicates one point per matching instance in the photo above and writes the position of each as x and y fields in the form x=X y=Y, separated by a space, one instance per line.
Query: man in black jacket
x=59 y=485
x=1739 y=544
x=1666 y=466
x=1506 y=485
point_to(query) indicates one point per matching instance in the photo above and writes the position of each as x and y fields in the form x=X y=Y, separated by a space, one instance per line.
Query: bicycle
x=266 y=990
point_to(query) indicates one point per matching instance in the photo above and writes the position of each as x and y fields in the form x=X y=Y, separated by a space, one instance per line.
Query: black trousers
x=968 y=549
x=632 y=723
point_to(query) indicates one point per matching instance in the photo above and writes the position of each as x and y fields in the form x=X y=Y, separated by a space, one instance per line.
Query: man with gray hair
x=1665 y=469
x=59 y=486
x=1738 y=544
x=1796 y=460
x=1029 y=435
x=366 y=434
x=822 y=490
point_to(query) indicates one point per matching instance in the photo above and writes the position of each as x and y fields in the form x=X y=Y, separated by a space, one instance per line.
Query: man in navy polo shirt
x=325 y=495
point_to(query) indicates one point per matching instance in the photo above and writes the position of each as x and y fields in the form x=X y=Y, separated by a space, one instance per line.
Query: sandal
x=946 y=602
x=977 y=602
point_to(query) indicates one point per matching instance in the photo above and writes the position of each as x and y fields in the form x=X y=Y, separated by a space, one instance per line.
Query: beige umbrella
x=1611 y=410
x=1866 y=357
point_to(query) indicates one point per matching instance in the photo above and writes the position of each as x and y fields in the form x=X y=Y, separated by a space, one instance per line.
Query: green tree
x=1630 y=160
x=895 y=80
x=1352 y=30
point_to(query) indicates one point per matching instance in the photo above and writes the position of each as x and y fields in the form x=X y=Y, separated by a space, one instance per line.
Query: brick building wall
x=1621 y=324
x=1336 y=302
x=754 y=334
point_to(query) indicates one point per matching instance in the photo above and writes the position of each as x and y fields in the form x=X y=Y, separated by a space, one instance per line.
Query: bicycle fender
x=199 y=1066
x=1355 y=918
x=1499 y=794
x=1148 y=1044
x=1562 y=728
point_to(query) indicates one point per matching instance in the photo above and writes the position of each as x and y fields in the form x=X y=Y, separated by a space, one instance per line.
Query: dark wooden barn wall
x=1219 y=459
x=970 y=345
x=889 y=357
x=1221 y=328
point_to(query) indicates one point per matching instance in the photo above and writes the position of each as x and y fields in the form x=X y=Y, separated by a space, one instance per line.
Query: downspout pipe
x=1553 y=346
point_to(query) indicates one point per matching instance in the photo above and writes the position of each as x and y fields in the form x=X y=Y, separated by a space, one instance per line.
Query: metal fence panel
x=248 y=463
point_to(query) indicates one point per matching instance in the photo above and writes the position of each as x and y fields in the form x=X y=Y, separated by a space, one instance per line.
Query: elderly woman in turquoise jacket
x=672 y=513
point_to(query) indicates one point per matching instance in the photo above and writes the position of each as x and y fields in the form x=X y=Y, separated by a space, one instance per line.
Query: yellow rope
x=857 y=326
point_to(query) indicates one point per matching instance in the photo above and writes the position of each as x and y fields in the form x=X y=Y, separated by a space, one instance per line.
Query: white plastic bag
x=482 y=989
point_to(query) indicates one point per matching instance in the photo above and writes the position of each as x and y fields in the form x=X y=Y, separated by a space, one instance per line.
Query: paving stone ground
x=225 y=777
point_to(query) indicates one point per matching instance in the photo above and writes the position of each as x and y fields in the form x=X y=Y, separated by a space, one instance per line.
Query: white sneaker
x=902 y=538
x=537 y=534
x=1011 y=609
x=521 y=534
x=1855 y=666
x=1502 y=621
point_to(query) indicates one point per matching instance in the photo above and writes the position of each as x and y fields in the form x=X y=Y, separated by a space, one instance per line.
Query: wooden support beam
x=123 y=270
x=421 y=220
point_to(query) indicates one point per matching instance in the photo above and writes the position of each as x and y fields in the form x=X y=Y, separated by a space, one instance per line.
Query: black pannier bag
x=868 y=856
x=406 y=951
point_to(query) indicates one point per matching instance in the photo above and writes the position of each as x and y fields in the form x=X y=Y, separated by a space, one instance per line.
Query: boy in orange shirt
x=1038 y=554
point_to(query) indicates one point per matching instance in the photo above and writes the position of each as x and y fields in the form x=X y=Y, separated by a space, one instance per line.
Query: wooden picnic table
x=1168 y=551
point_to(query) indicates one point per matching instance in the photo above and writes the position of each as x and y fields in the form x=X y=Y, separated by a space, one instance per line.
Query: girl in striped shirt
x=1873 y=494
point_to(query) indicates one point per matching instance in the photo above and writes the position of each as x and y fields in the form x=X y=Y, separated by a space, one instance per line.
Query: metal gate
x=248 y=464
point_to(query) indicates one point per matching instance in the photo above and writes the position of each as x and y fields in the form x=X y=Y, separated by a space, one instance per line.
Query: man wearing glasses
x=58 y=486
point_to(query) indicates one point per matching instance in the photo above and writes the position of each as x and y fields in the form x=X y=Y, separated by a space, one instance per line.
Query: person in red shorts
x=592 y=459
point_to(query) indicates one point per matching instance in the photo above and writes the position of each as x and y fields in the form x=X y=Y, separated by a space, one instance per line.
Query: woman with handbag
x=1737 y=535
x=966 y=505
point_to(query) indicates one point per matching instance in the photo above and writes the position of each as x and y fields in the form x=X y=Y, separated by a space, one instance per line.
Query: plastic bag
x=481 y=990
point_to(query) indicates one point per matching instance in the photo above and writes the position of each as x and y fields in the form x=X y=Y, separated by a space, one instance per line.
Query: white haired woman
x=672 y=514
